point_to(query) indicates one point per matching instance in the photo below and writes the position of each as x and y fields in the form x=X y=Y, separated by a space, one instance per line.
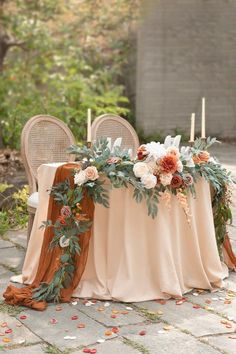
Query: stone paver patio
x=204 y=323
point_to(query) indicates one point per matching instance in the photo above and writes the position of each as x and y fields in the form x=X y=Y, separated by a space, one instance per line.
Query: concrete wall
x=186 y=50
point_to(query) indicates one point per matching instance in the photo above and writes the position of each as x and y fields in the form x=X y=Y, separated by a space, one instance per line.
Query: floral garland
x=156 y=173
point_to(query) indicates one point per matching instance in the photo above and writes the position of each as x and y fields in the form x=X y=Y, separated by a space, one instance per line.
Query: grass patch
x=149 y=315
x=52 y=349
x=10 y=309
x=136 y=345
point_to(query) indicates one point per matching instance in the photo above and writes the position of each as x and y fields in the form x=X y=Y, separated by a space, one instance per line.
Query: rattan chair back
x=113 y=126
x=44 y=139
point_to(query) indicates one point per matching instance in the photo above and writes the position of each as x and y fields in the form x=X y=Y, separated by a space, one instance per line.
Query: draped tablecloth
x=133 y=257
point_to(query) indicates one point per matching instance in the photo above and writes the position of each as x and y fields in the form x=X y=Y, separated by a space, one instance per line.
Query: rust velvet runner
x=49 y=261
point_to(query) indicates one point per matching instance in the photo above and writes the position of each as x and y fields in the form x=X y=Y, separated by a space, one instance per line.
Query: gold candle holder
x=191 y=143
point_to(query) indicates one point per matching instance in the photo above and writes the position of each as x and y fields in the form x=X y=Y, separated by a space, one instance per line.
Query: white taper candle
x=192 y=130
x=203 y=133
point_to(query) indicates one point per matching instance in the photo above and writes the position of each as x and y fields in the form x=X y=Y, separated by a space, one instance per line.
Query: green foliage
x=66 y=58
x=16 y=216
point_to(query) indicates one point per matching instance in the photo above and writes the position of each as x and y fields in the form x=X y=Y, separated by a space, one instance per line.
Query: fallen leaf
x=81 y=325
x=142 y=333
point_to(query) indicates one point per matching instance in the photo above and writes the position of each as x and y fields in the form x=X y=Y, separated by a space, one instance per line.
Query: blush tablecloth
x=133 y=257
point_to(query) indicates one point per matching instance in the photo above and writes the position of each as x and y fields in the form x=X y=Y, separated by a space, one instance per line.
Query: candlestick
x=89 y=138
x=203 y=135
x=192 y=130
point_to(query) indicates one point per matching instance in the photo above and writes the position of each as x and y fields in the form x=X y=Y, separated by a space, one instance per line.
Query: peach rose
x=173 y=150
x=165 y=179
x=168 y=164
x=91 y=173
x=201 y=157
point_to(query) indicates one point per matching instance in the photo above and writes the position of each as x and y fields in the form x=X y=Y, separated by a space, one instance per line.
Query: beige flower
x=91 y=173
x=149 y=180
x=80 y=178
x=166 y=178
x=140 y=169
x=173 y=150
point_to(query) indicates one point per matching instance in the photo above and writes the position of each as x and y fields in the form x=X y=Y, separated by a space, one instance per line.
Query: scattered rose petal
x=53 y=321
x=101 y=340
x=113 y=316
x=21 y=341
x=93 y=351
x=228 y=325
x=161 y=301
x=58 y=308
x=223 y=322
x=81 y=325
x=196 y=306
x=19 y=325
x=6 y=340
x=221 y=298
x=100 y=309
x=168 y=327
x=195 y=294
x=214 y=298
x=208 y=301
x=142 y=333
x=179 y=302
x=23 y=317
x=107 y=304
x=9 y=330
x=86 y=350
x=227 y=302
x=74 y=318
x=74 y=303
x=160 y=313
x=2 y=334
x=129 y=308
x=209 y=308
x=94 y=301
x=124 y=312
x=108 y=333
x=115 y=329
x=161 y=332
x=4 y=324
x=232 y=337
x=230 y=318
x=88 y=303
x=115 y=311
x=69 y=337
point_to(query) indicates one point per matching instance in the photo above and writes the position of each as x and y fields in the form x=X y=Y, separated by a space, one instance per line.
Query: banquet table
x=133 y=257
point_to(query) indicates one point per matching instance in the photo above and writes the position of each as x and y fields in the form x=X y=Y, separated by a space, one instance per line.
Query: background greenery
x=60 y=57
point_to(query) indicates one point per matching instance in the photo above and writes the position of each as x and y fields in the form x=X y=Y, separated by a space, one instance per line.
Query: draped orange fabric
x=50 y=259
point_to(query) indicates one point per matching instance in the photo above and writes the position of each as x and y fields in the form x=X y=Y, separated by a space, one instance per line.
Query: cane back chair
x=113 y=126
x=44 y=139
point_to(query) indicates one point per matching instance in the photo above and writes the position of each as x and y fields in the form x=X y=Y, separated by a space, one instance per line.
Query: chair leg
x=30 y=224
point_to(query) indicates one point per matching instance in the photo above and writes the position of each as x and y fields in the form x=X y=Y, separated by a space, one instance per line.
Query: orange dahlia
x=201 y=157
x=168 y=164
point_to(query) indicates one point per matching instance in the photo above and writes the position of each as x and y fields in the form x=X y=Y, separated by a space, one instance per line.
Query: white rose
x=156 y=150
x=80 y=178
x=140 y=169
x=166 y=179
x=179 y=166
x=149 y=181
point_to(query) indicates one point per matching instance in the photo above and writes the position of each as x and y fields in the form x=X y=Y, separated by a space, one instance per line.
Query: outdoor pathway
x=203 y=322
